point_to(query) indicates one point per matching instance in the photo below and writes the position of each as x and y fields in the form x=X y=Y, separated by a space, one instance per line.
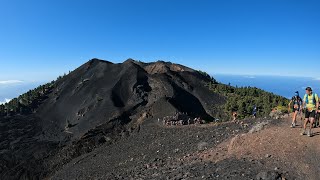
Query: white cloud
x=5 y=101
x=250 y=77
x=316 y=79
x=6 y=82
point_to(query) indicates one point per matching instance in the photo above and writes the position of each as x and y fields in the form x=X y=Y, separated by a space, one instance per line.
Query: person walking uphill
x=317 y=123
x=254 y=111
x=295 y=105
x=311 y=103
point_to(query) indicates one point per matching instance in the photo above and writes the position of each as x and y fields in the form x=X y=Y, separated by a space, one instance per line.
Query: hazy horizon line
x=264 y=75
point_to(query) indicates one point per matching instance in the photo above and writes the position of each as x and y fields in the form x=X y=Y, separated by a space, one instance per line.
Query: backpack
x=313 y=97
x=296 y=102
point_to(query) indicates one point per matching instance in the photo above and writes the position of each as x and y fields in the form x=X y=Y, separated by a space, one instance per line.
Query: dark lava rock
x=98 y=104
x=270 y=175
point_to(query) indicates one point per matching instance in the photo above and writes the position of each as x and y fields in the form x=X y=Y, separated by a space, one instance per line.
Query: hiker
x=234 y=115
x=317 y=124
x=311 y=105
x=295 y=105
x=254 y=112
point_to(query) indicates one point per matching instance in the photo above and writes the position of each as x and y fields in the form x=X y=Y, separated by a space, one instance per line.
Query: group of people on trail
x=309 y=105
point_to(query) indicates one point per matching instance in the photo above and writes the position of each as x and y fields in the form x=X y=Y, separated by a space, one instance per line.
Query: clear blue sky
x=41 y=39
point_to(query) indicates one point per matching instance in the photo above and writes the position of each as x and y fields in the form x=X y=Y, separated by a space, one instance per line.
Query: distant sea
x=280 y=85
x=10 y=91
x=284 y=86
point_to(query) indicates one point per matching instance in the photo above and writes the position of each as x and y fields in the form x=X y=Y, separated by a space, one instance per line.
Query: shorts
x=311 y=114
x=294 y=110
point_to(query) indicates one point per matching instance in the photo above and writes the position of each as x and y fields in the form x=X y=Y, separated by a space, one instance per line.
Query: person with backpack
x=311 y=105
x=317 y=124
x=295 y=106
x=254 y=111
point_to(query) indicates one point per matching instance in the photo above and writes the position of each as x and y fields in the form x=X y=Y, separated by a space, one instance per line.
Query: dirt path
x=279 y=146
x=270 y=150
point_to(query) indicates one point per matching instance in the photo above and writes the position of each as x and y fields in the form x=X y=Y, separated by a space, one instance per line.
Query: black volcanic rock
x=100 y=92
x=98 y=103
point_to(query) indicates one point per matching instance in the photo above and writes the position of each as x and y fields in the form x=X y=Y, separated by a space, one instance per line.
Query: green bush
x=243 y=99
x=283 y=109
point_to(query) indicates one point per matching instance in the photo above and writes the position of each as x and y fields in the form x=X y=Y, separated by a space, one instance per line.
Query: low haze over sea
x=281 y=85
x=11 y=89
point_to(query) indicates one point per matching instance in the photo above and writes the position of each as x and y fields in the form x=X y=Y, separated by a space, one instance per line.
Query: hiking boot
x=303 y=133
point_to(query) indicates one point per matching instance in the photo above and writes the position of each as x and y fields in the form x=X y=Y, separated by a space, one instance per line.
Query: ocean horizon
x=281 y=85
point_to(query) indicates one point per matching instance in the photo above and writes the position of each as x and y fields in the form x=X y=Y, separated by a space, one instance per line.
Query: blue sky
x=40 y=40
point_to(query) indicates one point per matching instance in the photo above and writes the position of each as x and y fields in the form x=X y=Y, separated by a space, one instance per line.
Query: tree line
x=238 y=99
x=243 y=99
x=28 y=102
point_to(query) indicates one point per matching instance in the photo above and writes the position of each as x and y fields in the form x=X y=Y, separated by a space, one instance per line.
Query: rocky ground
x=99 y=103
x=104 y=121
x=254 y=149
